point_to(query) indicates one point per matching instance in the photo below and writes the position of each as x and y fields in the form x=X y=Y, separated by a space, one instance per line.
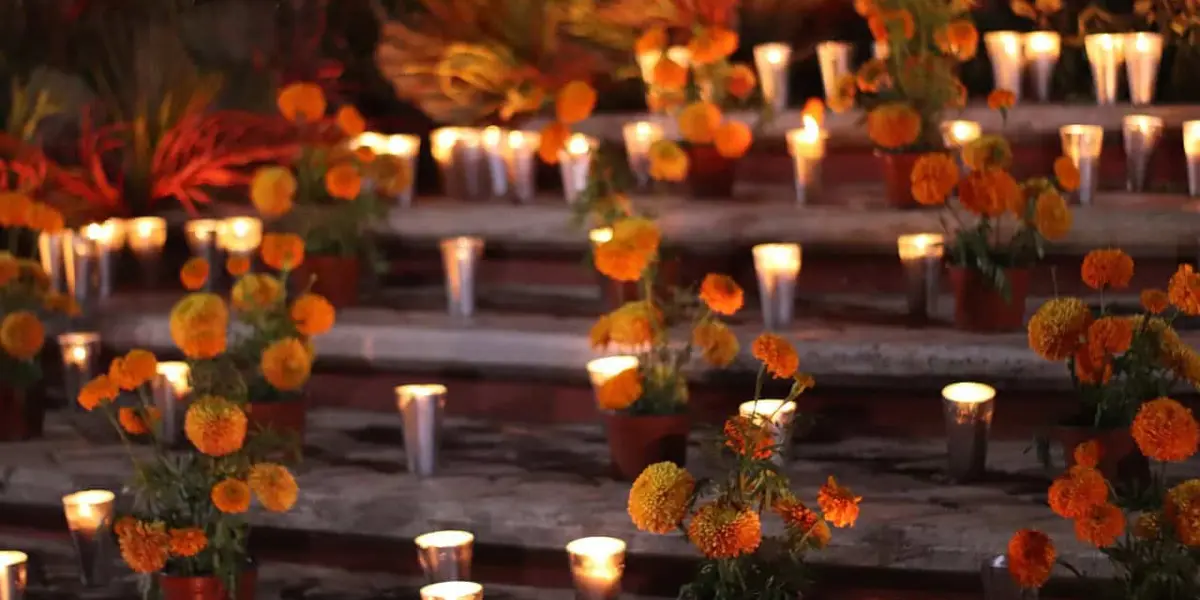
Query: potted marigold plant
x=998 y=227
x=723 y=517
x=187 y=533
x=906 y=93
x=321 y=194
x=1117 y=362
x=1151 y=537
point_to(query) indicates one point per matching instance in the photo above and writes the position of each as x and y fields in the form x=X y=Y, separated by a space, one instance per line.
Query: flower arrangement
x=1151 y=538
x=723 y=518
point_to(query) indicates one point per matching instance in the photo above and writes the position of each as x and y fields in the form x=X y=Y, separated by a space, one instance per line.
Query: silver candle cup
x=639 y=136
x=1004 y=49
x=445 y=555
x=460 y=262
x=1042 y=49
x=202 y=240
x=52 y=255
x=89 y=518
x=1141 y=134
x=81 y=362
x=460 y=158
x=575 y=162
x=109 y=239
x=171 y=388
x=968 y=408
x=1083 y=145
x=597 y=565
x=921 y=255
x=421 y=407
x=82 y=265
x=779 y=419
x=1191 y=149
x=807 y=149
x=494 y=142
x=521 y=163
x=14 y=574
x=777 y=267
x=1143 y=53
x=1105 y=53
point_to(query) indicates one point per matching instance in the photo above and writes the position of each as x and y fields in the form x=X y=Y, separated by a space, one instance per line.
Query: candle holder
x=639 y=136
x=403 y=147
x=834 y=59
x=445 y=555
x=968 y=408
x=51 y=253
x=170 y=389
x=1191 y=148
x=89 y=517
x=771 y=61
x=921 y=255
x=460 y=257
x=777 y=267
x=1042 y=49
x=494 y=142
x=1083 y=145
x=421 y=408
x=881 y=50
x=1141 y=134
x=81 y=259
x=998 y=583
x=240 y=236
x=1143 y=52
x=452 y=590
x=147 y=236
x=202 y=240
x=459 y=155
x=807 y=148
x=597 y=564
x=778 y=417
x=956 y=135
x=574 y=161
x=81 y=362
x=1004 y=50
x=14 y=574
x=1105 y=52
x=600 y=370
x=109 y=239
x=520 y=159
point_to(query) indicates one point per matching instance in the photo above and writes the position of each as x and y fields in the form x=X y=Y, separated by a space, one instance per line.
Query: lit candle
x=575 y=160
x=520 y=157
x=452 y=590
x=1105 y=52
x=1083 y=144
x=494 y=142
x=13 y=574
x=1143 y=52
x=600 y=235
x=176 y=375
x=170 y=389
x=647 y=61
x=201 y=234
x=956 y=134
x=1141 y=135
x=460 y=259
x=778 y=417
x=1004 y=50
x=921 y=256
x=459 y=154
x=147 y=235
x=108 y=238
x=639 y=136
x=80 y=355
x=771 y=61
x=445 y=555
x=881 y=50
x=600 y=370
x=52 y=252
x=88 y=511
x=968 y=409
x=421 y=406
x=401 y=146
x=597 y=564
x=81 y=260
x=807 y=147
x=1191 y=148
x=240 y=235
x=777 y=267
x=1042 y=49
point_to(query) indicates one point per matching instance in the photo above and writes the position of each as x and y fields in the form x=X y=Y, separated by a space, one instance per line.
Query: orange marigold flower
x=620 y=262
x=552 y=139
x=45 y=218
x=668 y=162
x=1165 y=430
x=1057 y=328
x=698 y=122
x=669 y=75
x=959 y=39
x=894 y=125
x=215 y=426
x=1101 y=525
x=712 y=44
x=124 y=525
x=188 y=541
x=194 y=273
x=286 y=364
x=721 y=531
x=231 y=496
x=986 y=152
x=302 y=101
x=1077 y=490
x=873 y=76
x=350 y=120
x=620 y=391
x=282 y=251
x=237 y=265
x=22 y=335
x=802 y=519
x=1001 y=99
x=813 y=109
x=732 y=139
x=1092 y=368
x=716 y=342
x=659 y=497
x=1147 y=526
x=198 y=325
x=721 y=294
x=312 y=314
x=575 y=102
x=15 y=209
x=1182 y=509
x=1066 y=173
x=133 y=370
x=255 y=291
x=884 y=23
x=137 y=421
x=1087 y=454
x=651 y=40
x=144 y=546
x=1051 y=217
x=1107 y=269
x=777 y=355
x=633 y=324
x=274 y=486
x=272 y=191
x=1031 y=557
x=865 y=8
x=1184 y=290
x=343 y=181
x=99 y=390
x=741 y=81
x=749 y=437
x=600 y=335
x=838 y=503
x=933 y=177
x=1110 y=335
x=989 y=192
x=1155 y=301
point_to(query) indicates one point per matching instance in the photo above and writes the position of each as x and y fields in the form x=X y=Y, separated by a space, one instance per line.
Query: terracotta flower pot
x=1121 y=461
x=978 y=306
x=335 y=277
x=897 y=178
x=206 y=588
x=617 y=293
x=710 y=175
x=22 y=413
x=638 y=441
x=285 y=418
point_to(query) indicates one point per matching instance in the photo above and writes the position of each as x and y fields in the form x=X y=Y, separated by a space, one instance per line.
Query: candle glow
x=445 y=139
x=600 y=370
x=1042 y=44
x=807 y=141
x=1191 y=138
x=968 y=392
x=920 y=245
x=147 y=234
x=776 y=411
x=597 y=564
x=240 y=234
x=13 y=573
x=782 y=259
x=76 y=347
x=600 y=235
x=176 y=374
x=444 y=539
x=87 y=511
x=1082 y=141
x=200 y=232
x=960 y=133
x=108 y=235
x=452 y=590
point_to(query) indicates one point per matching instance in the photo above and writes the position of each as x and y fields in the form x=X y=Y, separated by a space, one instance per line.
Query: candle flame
x=444 y=539
x=783 y=258
x=1042 y=43
x=420 y=390
x=600 y=235
x=597 y=548
x=492 y=136
x=451 y=590
x=578 y=145
x=968 y=392
x=1191 y=138
x=9 y=558
x=602 y=369
x=79 y=353
x=920 y=245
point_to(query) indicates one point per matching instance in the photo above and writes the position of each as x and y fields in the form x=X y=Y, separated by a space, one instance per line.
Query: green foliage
x=775 y=572
x=333 y=226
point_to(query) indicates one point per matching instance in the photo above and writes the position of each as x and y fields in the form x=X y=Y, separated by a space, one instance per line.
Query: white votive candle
x=597 y=564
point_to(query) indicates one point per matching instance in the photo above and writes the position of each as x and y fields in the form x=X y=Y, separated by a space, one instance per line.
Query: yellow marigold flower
x=712 y=44
x=1166 y=431
x=194 y=273
x=668 y=162
x=1182 y=509
x=10 y=269
x=1051 y=217
x=282 y=251
x=133 y=370
x=1057 y=328
x=805 y=521
x=575 y=102
x=351 y=121
x=145 y=546
x=552 y=138
x=659 y=497
x=633 y=324
x=838 y=503
x=721 y=531
x=302 y=102
x=1087 y=454
x=231 y=496
x=989 y=192
x=215 y=426
x=15 y=209
x=651 y=40
x=286 y=364
x=188 y=541
x=312 y=314
x=698 y=122
x=893 y=126
x=255 y=291
x=669 y=75
x=845 y=91
x=1031 y=557
x=1066 y=173
x=873 y=76
x=137 y=421
x=1076 y=491
x=1184 y=290
x=1107 y=269
x=1155 y=301
x=741 y=81
x=343 y=181
x=1101 y=525
x=198 y=325
x=1147 y=526
x=716 y=342
x=274 y=486
x=237 y=265
x=986 y=152
x=934 y=176
x=721 y=294
x=959 y=39
x=620 y=391
x=98 y=391
x=272 y=191
x=22 y=335
x=1001 y=99
x=732 y=139
x=777 y=355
